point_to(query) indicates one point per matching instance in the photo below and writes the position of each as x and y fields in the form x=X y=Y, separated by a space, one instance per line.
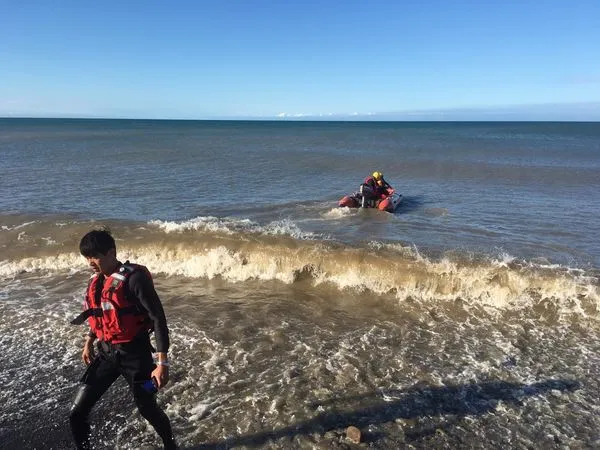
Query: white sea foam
x=337 y=213
x=59 y=262
x=496 y=283
x=207 y=223
x=49 y=241
x=17 y=227
x=232 y=225
x=287 y=227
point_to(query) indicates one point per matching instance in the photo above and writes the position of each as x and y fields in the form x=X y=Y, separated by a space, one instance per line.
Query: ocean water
x=466 y=319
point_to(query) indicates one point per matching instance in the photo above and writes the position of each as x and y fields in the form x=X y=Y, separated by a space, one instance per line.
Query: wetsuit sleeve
x=90 y=332
x=142 y=288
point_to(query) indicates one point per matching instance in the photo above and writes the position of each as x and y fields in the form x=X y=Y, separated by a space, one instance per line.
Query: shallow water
x=467 y=319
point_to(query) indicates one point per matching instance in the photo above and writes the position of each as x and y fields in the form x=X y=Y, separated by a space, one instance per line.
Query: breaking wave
x=239 y=250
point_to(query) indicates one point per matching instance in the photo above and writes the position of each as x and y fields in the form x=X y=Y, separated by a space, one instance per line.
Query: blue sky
x=333 y=59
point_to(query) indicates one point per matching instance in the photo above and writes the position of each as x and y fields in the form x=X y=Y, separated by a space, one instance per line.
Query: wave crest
x=238 y=250
x=403 y=274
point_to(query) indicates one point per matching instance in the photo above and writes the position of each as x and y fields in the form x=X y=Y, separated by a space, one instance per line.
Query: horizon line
x=370 y=119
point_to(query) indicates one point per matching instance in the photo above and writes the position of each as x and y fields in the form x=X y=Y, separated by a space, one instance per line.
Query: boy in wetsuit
x=122 y=307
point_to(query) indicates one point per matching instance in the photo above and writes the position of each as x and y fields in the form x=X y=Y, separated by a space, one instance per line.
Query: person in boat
x=122 y=308
x=377 y=185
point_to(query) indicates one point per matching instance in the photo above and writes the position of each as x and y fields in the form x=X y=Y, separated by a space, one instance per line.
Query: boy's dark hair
x=96 y=243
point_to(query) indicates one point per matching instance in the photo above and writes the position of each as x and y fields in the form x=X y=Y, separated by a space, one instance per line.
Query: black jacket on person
x=378 y=191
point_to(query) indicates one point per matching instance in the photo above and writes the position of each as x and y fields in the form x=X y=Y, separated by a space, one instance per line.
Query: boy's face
x=103 y=263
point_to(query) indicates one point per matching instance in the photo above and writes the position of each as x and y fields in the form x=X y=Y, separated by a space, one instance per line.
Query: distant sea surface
x=466 y=319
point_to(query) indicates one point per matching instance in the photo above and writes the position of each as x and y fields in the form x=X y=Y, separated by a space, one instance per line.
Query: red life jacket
x=112 y=316
x=370 y=181
x=379 y=191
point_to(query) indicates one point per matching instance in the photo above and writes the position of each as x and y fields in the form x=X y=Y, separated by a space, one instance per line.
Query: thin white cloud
x=284 y=115
x=584 y=111
x=296 y=115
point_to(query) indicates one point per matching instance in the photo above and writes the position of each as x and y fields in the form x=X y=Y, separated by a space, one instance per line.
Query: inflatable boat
x=365 y=198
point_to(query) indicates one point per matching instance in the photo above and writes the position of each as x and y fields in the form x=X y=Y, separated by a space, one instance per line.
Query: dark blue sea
x=468 y=318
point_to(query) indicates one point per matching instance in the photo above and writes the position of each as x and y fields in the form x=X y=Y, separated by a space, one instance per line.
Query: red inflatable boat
x=364 y=198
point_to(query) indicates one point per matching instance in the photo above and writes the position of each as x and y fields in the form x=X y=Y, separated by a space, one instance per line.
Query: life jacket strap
x=97 y=312
x=81 y=318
